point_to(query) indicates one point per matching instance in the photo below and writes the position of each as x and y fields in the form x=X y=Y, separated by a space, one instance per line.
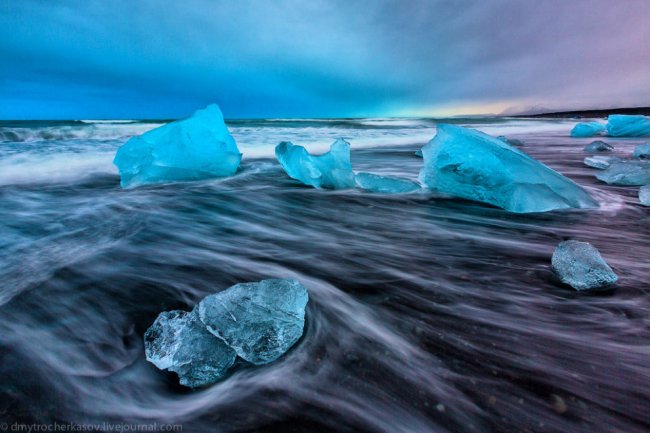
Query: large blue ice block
x=198 y=147
x=621 y=125
x=466 y=163
x=587 y=129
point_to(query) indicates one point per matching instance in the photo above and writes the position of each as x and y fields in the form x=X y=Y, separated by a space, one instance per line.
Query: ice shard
x=198 y=147
x=260 y=321
x=626 y=173
x=644 y=195
x=621 y=125
x=385 y=184
x=179 y=342
x=642 y=151
x=510 y=141
x=329 y=170
x=466 y=163
x=598 y=146
x=587 y=129
x=600 y=161
x=580 y=265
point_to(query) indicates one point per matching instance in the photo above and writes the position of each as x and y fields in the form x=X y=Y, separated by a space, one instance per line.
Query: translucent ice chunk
x=601 y=161
x=580 y=265
x=198 y=147
x=626 y=173
x=179 y=342
x=466 y=163
x=510 y=141
x=644 y=195
x=385 y=184
x=418 y=153
x=642 y=151
x=621 y=125
x=260 y=321
x=587 y=129
x=598 y=146
x=330 y=170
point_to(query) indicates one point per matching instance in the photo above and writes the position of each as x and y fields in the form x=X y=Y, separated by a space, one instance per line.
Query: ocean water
x=426 y=314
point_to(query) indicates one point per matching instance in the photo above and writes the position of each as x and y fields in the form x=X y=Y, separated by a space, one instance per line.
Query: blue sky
x=72 y=59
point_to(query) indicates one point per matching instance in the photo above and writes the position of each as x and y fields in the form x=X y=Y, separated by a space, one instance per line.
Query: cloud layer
x=164 y=58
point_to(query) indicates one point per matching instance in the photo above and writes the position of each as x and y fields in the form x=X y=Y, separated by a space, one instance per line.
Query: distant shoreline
x=589 y=113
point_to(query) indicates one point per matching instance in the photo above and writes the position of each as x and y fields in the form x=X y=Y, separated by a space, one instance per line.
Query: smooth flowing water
x=426 y=314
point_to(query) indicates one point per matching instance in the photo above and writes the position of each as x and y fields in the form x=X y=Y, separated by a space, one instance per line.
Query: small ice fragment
x=626 y=173
x=510 y=141
x=329 y=170
x=418 y=153
x=598 y=146
x=385 y=184
x=644 y=195
x=198 y=147
x=621 y=125
x=179 y=342
x=600 y=161
x=587 y=129
x=580 y=265
x=466 y=163
x=260 y=321
x=642 y=151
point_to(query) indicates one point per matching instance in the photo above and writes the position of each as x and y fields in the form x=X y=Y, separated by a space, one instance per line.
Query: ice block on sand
x=587 y=129
x=621 y=125
x=580 y=265
x=198 y=147
x=329 y=170
x=598 y=146
x=642 y=151
x=626 y=173
x=600 y=161
x=466 y=163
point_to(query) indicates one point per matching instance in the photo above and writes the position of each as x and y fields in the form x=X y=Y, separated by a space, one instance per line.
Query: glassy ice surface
x=466 y=163
x=329 y=170
x=642 y=151
x=644 y=195
x=260 y=321
x=598 y=146
x=178 y=341
x=621 y=125
x=587 y=129
x=198 y=147
x=626 y=173
x=580 y=265
x=600 y=161
x=385 y=184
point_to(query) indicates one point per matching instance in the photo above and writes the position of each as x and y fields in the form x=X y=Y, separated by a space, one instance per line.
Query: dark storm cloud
x=323 y=58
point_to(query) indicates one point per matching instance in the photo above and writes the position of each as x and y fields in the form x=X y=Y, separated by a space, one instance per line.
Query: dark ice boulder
x=626 y=173
x=622 y=125
x=466 y=163
x=178 y=341
x=598 y=146
x=510 y=141
x=385 y=184
x=198 y=147
x=260 y=321
x=329 y=170
x=580 y=265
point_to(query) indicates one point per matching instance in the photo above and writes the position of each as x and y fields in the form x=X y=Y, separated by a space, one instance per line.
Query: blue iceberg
x=621 y=125
x=644 y=195
x=626 y=173
x=580 y=265
x=601 y=161
x=330 y=170
x=385 y=184
x=587 y=129
x=179 y=342
x=598 y=146
x=466 y=163
x=260 y=321
x=642 y=151
x=198 y=147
